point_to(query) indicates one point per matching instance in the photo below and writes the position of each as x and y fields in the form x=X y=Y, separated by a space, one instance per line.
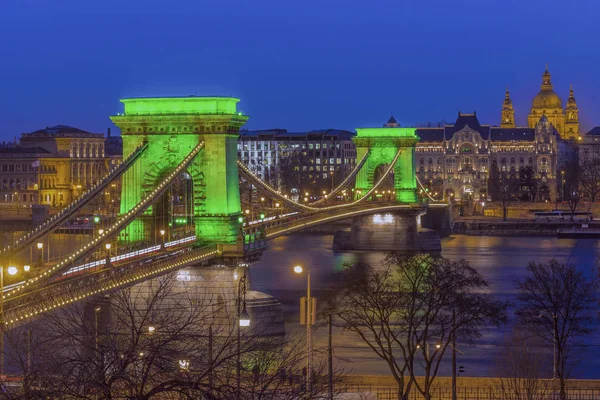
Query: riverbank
x=516 y=227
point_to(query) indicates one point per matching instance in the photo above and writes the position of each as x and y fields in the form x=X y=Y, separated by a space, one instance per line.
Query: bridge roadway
x=34 y=301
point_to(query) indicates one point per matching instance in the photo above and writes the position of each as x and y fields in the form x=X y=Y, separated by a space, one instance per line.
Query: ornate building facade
x=454 y=161
x=51 y=167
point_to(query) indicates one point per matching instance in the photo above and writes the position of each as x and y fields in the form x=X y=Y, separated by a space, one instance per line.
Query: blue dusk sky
x=295 y=64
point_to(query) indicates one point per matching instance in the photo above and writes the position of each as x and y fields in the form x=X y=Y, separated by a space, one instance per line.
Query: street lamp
x=162 y=238
x=307 y=317
x=107 y=246
x=40 y=247
x=97 y=309
x=243 y=321
x=12 y=270
x=562 y=189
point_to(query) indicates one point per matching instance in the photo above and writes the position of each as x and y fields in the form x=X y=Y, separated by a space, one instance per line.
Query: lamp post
x=40 y=247
x=243 y=321
x=562 y=189
x=108 y=246
x=97 y=309
x=11 y=271
x=307 y=317
x=162 y=238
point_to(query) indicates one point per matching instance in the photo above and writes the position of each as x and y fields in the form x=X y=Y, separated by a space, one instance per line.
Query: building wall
x=297 y=163
x=52 y=169
x=458 y=166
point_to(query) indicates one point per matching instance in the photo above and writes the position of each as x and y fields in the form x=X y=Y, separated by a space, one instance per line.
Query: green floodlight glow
x=383 y=144
x=96 y=219
x=172 y=127
x=386 y=132
x=240 y=219
x=262 y=216
x=180 y=105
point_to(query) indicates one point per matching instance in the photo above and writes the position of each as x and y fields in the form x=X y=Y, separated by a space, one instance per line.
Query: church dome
x=547 y=99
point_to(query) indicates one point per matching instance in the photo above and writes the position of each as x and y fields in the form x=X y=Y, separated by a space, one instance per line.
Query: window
x=512 y=160
x=522 y=160
x=503 y=161
x=430 y=161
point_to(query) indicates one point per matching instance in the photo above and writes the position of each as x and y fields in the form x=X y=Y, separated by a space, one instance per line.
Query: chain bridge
x=181 y=205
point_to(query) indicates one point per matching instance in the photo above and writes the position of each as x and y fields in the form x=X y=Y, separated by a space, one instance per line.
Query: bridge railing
x=313 y=219
x=56 y=220
x=61 y=293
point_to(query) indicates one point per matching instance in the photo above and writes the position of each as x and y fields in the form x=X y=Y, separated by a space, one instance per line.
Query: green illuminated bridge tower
x=389 y=162
x=172 y=127
x=384 y=146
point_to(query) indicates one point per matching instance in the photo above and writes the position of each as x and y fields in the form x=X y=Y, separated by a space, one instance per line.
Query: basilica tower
x=572 y=118
x=547 y=103
x=508 y=112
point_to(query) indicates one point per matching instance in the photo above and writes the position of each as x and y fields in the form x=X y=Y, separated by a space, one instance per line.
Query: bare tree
x=409 y=311
x=521 y=370
x=589 y=179
x=158 y=340
x=555 y=300
x=572 y=199
x=508 y=191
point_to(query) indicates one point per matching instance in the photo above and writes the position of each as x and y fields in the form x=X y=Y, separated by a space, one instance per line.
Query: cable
x=121 y=223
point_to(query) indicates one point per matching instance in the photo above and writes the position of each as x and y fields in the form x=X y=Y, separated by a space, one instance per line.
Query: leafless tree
x=521 y=371
x=555 y=301
x=157 y=341
x=408 y=312
x=572 y=199
x=589 y=179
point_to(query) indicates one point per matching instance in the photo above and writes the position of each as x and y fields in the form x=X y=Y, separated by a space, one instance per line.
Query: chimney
x=108 y=133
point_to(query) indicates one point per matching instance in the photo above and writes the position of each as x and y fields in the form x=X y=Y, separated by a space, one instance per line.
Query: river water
x=501 y=261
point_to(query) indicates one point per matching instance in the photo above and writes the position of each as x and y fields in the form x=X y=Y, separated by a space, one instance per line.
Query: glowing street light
x=184 y=365
x=162 y=238
x=243 y=321
x=307 y=317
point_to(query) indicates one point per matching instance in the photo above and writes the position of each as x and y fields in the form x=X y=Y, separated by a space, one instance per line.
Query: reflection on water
x=501 y=260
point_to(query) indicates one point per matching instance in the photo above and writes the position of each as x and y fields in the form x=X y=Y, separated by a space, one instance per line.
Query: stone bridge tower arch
x=383 y=145
x=172 y=127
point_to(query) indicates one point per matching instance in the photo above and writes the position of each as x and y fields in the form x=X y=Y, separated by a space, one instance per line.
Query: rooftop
x=180 y=105
x=594 y=132
x=23 y=150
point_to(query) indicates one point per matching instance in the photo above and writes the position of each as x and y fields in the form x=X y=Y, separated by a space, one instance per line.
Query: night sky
x=296 y=64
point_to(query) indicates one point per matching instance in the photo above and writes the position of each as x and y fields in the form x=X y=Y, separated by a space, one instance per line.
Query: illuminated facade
x=385 y=145
x=455 y=160
x=548 y=103
x=51 y=166
x=299 y=162
x=173 y=127
x=589 y=149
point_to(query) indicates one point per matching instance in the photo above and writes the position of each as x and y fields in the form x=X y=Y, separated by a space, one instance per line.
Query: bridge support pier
x=398 y=231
